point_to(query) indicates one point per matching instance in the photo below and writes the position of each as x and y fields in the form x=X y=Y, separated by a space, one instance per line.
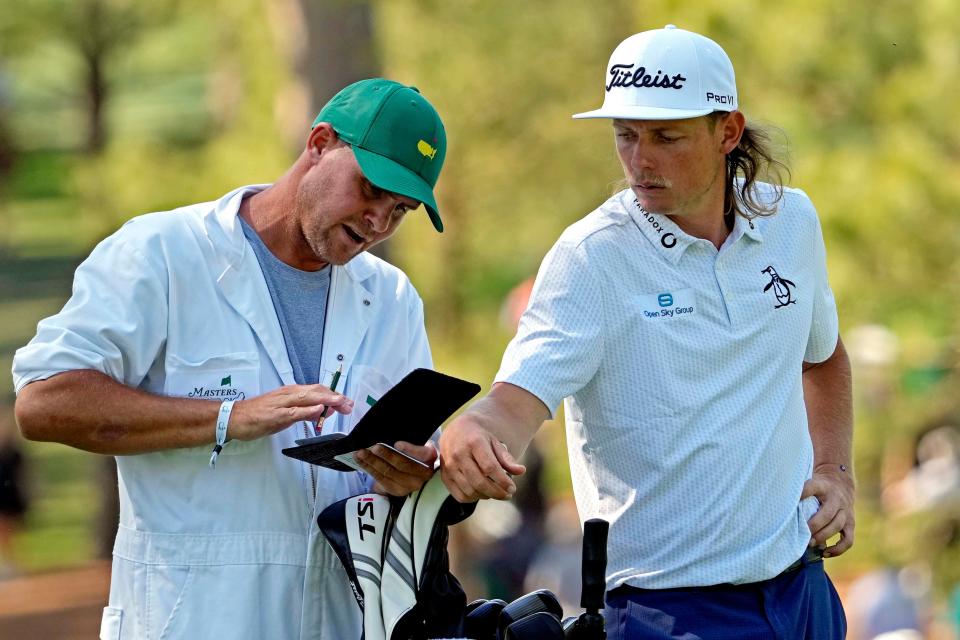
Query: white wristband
x=223 y=421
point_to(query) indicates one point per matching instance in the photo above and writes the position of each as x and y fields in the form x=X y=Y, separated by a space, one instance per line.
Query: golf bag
x=395 y=554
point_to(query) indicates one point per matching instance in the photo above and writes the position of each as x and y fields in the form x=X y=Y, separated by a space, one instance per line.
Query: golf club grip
x=594 y=567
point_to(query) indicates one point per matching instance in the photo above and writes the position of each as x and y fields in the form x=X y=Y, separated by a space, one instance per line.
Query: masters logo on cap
x=666 y=74
x=396 y=135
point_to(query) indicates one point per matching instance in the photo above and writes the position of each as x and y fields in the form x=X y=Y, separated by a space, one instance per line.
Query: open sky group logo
x=677 y=303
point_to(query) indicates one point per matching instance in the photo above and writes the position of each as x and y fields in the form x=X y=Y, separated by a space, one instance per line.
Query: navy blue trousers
x=796 y=605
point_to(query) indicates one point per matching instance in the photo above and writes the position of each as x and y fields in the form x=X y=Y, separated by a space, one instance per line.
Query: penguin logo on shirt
x=780 y=286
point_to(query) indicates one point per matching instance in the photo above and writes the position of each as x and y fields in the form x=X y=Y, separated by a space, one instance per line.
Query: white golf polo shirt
x=681 y=369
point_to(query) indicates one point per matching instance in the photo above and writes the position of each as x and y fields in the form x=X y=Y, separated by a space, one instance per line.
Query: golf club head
x=473 y=605
x=481 y=620
x=586 y=626
x=541 y=600
x=541 y=625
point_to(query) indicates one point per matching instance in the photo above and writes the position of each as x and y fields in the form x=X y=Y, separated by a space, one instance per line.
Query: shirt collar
x=666 y=237
x=744 y=227
x=225 y=214
x=669 y=239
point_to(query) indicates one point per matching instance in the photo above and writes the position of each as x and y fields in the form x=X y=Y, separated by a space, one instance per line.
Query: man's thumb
x=507 y=461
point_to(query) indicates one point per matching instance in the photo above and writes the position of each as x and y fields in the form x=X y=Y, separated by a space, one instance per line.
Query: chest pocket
x=365 y=385
x=231 y=376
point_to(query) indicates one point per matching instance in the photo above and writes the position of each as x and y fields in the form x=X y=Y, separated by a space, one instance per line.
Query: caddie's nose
x=378 y=215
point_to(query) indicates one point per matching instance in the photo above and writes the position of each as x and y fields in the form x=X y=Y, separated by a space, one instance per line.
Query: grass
x=35 y=281
x=59 y=529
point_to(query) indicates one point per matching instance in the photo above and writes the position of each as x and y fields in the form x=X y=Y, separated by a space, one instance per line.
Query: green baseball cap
x=396 y=136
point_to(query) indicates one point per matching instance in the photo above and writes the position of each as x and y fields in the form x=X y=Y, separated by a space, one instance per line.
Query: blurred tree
x=97 y=32
x=864 y=91
x=517 y=168
x=866 y=107
x=340 y=49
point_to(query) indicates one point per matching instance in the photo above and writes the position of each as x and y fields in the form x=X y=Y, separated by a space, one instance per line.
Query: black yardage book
x=411 y=411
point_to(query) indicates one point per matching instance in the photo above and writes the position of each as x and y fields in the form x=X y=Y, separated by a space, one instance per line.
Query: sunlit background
x=112 y=108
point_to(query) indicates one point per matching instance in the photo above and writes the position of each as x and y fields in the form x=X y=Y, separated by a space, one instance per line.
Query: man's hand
x=827 y=396
x=271 y=412
x=394 y=474
x=835 y=491
x=474 y=464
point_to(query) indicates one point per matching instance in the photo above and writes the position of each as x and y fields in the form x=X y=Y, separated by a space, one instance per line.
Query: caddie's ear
x=321 y=138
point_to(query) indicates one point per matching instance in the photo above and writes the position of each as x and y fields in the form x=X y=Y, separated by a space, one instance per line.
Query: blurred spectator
x=13 y=500
x=556 y=564
x=934 y=482
x=955 y=611
x=515 y=304
x=888 y=604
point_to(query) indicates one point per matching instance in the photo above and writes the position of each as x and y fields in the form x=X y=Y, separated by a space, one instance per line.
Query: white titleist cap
x=667 y=74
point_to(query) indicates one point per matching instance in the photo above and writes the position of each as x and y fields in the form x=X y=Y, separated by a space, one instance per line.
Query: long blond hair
x=754 y=157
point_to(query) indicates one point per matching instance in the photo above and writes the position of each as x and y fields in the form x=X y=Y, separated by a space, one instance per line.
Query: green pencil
x=333 y=387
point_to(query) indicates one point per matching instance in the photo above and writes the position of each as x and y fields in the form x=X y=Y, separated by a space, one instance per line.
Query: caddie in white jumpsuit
x=239 y=312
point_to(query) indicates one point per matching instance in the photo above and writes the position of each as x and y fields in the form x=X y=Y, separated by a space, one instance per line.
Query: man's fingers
x=397 y=474
x=822 y=518
x=488 y=477
x=455 y=485
x=400 y=463
x=845 y=542
x=372 y=463
x=456 y=482
x=813 y=487
x=475 y=484
x=315 y=394
x=337 y=402
x=426 y=453
x=821 y=534
x=472 y=467
x=278 y=409
x=486 y=487
x=507 y=461
x=391 y=488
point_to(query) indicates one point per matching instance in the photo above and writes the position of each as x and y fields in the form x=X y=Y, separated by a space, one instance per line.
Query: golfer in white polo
x=689 y=326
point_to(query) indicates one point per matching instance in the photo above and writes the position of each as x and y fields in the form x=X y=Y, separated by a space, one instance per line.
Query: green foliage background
x=864 y=94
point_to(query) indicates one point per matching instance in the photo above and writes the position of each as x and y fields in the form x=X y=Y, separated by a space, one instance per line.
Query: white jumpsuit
x=175 y=303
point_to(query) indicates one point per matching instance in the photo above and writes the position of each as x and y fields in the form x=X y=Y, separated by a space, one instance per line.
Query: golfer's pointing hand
x=474 y=464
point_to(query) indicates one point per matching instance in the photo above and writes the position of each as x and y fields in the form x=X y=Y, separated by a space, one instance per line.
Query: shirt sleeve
x=559 y=343
x=824 y=327
x=114 y=322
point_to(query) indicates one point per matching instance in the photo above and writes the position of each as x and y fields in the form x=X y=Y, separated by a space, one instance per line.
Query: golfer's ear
x=732 y=127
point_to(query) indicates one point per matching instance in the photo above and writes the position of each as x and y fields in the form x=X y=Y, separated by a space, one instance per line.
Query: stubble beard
x=312 y=235
x=687 y=206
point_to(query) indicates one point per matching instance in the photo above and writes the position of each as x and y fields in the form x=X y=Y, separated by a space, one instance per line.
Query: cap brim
x=627 y=112
x=392 y=176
